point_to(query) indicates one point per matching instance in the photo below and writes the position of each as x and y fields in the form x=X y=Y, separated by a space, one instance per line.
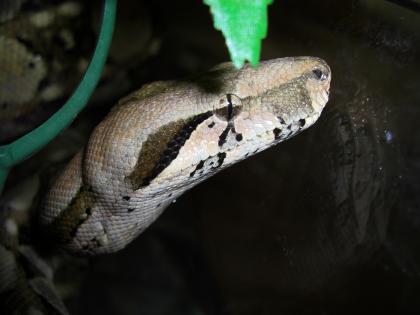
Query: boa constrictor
x=169 y=136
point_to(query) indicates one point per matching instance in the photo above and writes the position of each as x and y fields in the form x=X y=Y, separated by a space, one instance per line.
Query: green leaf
x=243 y=24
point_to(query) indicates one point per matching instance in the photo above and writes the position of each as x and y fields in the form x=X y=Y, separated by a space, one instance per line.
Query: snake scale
x=169 y=136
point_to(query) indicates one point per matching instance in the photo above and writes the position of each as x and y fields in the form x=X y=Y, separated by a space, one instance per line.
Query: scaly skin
x=169 y=136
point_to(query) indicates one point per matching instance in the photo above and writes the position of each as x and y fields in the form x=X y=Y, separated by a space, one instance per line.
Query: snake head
x=268 y=104
x=169 y=136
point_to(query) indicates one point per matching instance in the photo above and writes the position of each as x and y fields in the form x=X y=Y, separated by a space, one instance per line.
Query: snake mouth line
x=301 y=123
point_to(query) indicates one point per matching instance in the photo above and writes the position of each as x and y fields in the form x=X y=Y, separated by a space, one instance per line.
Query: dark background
x=325 y=223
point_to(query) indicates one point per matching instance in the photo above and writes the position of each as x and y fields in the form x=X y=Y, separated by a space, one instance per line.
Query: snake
x=162 y=140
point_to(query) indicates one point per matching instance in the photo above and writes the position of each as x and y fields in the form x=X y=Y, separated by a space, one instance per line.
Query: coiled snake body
x=169 y=136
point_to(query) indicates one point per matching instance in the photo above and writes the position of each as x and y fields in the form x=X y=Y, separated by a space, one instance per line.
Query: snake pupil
x=229 y=107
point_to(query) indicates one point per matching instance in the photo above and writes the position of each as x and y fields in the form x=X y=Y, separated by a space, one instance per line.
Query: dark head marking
x=221 y=157
x=277 y=133
x=224 y=134
x=161 y=148
x=302 y=122
x=200 y=165
x=281 y=120
x=126 y=198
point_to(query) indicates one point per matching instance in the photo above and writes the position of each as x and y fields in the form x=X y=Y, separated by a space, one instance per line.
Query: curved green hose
x=17 y=151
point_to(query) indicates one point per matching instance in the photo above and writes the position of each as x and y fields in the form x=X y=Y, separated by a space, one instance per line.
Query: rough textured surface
x=169 y=136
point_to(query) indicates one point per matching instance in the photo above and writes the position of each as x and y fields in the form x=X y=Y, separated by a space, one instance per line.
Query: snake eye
x=319 y=75
x=231 y=106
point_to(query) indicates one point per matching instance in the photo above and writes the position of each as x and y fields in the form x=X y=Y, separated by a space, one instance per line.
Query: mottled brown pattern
x=79 y=210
